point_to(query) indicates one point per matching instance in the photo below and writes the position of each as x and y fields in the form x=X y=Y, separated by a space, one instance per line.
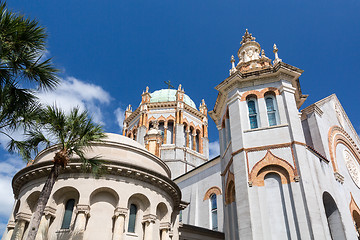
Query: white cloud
x=73 y=92
x=8 y=168
x=214 y=149
x=2 y=227
x=120 y=117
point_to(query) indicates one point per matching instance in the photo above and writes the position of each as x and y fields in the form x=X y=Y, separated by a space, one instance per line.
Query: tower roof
x=169 y=95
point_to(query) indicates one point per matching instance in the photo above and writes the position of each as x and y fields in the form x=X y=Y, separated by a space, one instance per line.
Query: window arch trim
x=272 y=163
x=213 y=190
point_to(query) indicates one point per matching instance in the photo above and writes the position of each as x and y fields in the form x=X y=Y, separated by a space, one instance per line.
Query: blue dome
x=169 y=95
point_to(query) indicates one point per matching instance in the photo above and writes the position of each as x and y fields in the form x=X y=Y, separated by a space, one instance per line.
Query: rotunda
x=183 y=138
x=133 y=198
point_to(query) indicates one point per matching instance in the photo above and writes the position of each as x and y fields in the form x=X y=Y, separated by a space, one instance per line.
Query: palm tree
x=73 y=134
x=22 y=44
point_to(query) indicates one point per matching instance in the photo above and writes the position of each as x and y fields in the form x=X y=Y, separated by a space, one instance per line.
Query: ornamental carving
x=353 y=167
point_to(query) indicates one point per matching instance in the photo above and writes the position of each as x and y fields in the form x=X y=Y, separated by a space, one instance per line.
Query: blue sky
x=109 y=51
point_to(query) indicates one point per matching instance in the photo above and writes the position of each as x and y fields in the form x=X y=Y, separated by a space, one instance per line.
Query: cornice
x=110 y=168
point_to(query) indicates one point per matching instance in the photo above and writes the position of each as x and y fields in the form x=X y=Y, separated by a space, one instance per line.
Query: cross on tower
x=169 y=84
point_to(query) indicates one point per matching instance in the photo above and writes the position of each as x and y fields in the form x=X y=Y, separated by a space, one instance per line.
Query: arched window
x=69 y=207
x=132 y=218
x=252 y=113
x=213 y=211
x=333 y=217
x=271 y=110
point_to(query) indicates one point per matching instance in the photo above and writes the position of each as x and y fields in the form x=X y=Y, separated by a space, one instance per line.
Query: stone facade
x=282 y=173
x=184 y=142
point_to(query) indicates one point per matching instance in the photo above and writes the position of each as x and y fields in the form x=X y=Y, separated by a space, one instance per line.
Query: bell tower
x=262 y=146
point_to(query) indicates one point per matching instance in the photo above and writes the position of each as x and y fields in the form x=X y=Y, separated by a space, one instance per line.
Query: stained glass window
x=132 y=218
x=213 y=203
x=69 y=207
x=252 y=114
x=271 y=112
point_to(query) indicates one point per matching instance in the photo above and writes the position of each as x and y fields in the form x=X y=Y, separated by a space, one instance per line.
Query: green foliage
x=74 y=133
x=22 y=44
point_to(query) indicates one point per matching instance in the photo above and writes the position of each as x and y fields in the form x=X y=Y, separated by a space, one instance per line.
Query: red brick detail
x=273 y=90
x=251 y=92
x=355 y=213
x=230 y=189
x=339 y=135
x=211 y=191
x=271 y=163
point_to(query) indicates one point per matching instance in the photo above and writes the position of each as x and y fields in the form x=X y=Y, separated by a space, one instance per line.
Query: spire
x=247 y=37
x=277 y=59
x=233 y=68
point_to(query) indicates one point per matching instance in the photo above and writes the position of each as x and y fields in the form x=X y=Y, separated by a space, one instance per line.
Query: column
x=165 y=230
x=165 y=133
x=42 y=233
x=194 y=140
x=82 y=212
x=187 y=137
x=119 y=216
x=149 y=221
x=21 y=220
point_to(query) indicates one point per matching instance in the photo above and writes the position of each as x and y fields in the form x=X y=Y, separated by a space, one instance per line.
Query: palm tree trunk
x=43 y=199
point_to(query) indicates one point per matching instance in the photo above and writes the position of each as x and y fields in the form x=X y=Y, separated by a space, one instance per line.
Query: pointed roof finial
x=277 y=59
x=147 y=89
x=233 y=68
x=179 y=88
x=247 y=37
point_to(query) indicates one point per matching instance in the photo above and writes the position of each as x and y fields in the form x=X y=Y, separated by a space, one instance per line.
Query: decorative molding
x=50 y=211
x=82 y=208
x=120 y=211
x=339 y=177
x=312 y=108
x=271 y=163
x=11 y=224
x=338 y=135
x=213 y=190
x=265 y=128
x=151 y=218
x=287 y=89
x=165 y=225
x=113 y=168
x=23 y=216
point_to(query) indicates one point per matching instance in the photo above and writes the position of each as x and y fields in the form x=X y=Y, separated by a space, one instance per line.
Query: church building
x=282 y=173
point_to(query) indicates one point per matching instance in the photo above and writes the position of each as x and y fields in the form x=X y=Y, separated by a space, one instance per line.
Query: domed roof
x=169 y=95
x=119 y=150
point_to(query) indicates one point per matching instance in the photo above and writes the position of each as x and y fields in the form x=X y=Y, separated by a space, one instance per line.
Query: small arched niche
x=103 y=202
x=333 y=217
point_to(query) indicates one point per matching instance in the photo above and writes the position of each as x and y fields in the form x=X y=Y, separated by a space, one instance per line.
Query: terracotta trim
x=353 y=207
x=271 y=163
x=338 y=135
x=213 y=190
x=251 y=92
x=230 y=186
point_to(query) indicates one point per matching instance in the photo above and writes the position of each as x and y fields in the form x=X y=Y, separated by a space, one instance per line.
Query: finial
x=247 y=37
x=147 y=89
x=263 y=54
x=203 y=102
x=179 y=88
x=277 y=59
x=233 y=69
